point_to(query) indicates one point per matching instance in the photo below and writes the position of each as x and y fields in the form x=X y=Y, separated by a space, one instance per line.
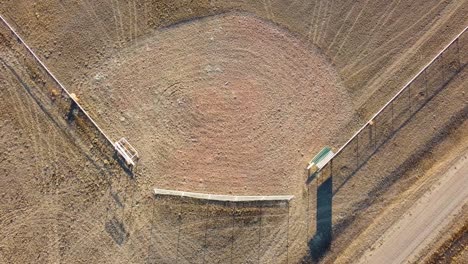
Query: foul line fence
x=54 y=78
x=68 y=104
x=396 y=112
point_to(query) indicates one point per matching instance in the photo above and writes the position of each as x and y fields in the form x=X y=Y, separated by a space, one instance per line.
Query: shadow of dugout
x=321 y=241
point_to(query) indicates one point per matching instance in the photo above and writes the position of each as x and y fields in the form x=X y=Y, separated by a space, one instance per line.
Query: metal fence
x=185 y=230
x=392 y=116
x=54 y=98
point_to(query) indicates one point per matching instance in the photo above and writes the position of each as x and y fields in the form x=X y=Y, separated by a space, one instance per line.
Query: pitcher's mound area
x=224 y=104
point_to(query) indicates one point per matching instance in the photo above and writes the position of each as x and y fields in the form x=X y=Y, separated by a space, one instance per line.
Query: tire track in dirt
x=139 y=242
x=27 y=216
x=31 y=115
x=43 y=149
x=325 y=21
x=27 y=112
x=88 y=228
x=135 y=11
x=277 y=241
x=118 y=22
x=385 y=46
x=345 y=39
x=376 y=61
x=268 y=9
x=292 y=4
x=52 y=150
x=13 y=215
x=38 y=128
x=312 y=23
x=378 y=27
x=23 y=113
x=17 y=112
x=318 y=17
x=348 y=14
x=92 y=13
x=396 y=65
x=54 y=246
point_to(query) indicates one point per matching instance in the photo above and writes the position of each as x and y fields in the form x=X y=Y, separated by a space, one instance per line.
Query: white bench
x=127 y=152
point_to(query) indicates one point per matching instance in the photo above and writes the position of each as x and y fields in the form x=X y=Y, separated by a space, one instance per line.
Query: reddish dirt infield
x=224 y=104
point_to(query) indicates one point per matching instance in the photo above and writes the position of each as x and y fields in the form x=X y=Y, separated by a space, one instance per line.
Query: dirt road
x=427 y=217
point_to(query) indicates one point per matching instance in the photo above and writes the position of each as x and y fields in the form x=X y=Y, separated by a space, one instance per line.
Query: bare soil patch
x=225 y=104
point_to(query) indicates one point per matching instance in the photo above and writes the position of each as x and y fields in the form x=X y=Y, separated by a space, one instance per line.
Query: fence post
x=178 y=232
x=441 y=61
x=206 y=232
x=374 y=129
x=357 y=151
x=425 y=84
x=260 y=233
x=150 y=246
x=392 y=121
x=232 y=233
x=308 y=218
x=409 y=101
x=287 y=239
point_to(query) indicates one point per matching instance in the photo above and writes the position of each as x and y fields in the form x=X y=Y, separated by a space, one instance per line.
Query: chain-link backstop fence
x=187 y=230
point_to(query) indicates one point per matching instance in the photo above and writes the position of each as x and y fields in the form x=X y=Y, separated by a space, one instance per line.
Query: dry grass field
x=225 y=97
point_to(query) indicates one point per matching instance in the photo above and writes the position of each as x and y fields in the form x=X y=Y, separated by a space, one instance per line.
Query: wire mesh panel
x=366 y=143
x=165 y=232
x=274 y=235
x=344 y=164
x=383 y=125
x=247 y=234
x=193 y=232
x=140 y=233
x=462 y=48
x=450 y=62
x=435 y=77
x=220 y=234
x=325 y=173
x=418 y=93
x=401 y=108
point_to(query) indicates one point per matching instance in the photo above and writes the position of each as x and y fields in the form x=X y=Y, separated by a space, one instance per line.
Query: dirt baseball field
x=221 y=97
